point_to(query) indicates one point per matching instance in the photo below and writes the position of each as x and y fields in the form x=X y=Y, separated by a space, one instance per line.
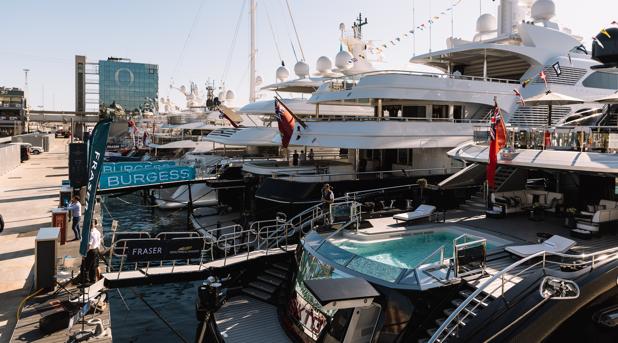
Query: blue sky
x=44 y=36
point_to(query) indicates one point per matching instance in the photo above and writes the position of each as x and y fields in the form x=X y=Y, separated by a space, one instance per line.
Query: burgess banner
x=110 y=167
x=146 y=177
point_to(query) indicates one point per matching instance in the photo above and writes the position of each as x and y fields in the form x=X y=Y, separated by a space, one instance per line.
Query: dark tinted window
x=601 y=80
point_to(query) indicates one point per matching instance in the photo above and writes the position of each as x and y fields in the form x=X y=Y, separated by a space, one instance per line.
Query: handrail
x=357 y=77
x=440 y=249
x=357 y=118
x=411 y=172
x=437 y=336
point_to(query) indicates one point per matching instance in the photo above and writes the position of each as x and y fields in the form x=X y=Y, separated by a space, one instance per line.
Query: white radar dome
x=543 y=10
x=301 y=69
x=282 y=73
x=221 y=96
x=486 y=23
x=342 y=60
x=323 y=65
x=229 y=95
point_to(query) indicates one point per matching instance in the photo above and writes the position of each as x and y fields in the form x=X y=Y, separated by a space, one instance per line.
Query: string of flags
x=410 y=33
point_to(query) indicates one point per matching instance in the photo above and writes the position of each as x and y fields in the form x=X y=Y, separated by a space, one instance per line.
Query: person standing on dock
x=92 y=257
x=75 y=207
x=295 y=158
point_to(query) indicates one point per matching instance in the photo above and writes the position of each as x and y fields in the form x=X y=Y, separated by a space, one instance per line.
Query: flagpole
x=300 y=121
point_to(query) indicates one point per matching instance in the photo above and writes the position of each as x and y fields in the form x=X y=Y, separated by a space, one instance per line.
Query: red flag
x=543 y=77
x=497 y=140
x=521 y=98
x=285 y=121
x=223 y=115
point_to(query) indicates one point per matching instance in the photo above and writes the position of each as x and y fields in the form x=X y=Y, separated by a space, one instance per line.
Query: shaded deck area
x=245 y=319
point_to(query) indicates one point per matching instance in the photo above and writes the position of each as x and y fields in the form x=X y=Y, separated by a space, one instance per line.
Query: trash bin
x=24 y=153
x=46 y=250
x=60 y=219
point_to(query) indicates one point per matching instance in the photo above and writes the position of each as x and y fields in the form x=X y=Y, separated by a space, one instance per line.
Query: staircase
x=472 y=310
x=477 y=202
x=269 y=282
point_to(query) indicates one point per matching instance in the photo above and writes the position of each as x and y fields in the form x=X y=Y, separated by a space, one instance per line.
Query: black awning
x=329 y=290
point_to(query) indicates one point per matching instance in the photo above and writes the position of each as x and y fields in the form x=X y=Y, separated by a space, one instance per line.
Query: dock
x=27 y=193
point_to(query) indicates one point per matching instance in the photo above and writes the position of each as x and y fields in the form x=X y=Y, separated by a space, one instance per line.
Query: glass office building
x=127 y=83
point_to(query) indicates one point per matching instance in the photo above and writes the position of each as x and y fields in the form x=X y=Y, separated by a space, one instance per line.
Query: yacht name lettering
x=171 y=174
x=147 y=251
x=93 y=168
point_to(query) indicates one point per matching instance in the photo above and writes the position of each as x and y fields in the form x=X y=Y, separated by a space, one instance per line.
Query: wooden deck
x=246 y=320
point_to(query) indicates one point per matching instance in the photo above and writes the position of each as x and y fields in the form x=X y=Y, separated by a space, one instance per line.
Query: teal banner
x=96 y=152
x=109 y=167
x=146 y=177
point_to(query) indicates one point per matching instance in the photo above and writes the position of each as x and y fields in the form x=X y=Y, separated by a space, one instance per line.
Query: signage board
x=161 y=250
x=110 y=167
x=146 y=177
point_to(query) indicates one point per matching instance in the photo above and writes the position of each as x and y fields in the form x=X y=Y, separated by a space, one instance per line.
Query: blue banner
x=109 y=167
x=96 y=151
x=146 y=177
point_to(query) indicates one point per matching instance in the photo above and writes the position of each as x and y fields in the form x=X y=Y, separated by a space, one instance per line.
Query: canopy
x=610 y=99
x=186 y=144
x=552 y=98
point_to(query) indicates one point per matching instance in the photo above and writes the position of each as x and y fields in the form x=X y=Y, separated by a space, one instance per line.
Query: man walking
x=75 y=207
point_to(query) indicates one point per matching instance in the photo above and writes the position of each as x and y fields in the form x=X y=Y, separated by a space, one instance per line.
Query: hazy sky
x=190 y=40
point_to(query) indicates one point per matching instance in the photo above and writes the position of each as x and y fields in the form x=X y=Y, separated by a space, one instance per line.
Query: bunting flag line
x=524 y=83
x=543 y=77
x=519 y=97
x=582 y=48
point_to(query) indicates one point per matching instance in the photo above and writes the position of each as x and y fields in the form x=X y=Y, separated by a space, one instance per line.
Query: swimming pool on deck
x=408 y=249
x=386 y=256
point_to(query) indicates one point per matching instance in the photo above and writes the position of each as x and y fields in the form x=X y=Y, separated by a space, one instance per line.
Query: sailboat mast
x=253 y=52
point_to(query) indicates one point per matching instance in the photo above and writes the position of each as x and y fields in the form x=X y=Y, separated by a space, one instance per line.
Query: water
x=405 y=252
x=134 y=213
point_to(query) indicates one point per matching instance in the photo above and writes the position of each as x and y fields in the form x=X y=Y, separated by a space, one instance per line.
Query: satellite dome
x=342 y=60
x=301 y=69
x=282 y=73
x=324 y=65
x=543 y=10
x=221 y=96
x=486 y=23
x=229 y=95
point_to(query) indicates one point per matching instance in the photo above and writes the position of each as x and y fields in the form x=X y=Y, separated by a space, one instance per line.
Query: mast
x=252 y=53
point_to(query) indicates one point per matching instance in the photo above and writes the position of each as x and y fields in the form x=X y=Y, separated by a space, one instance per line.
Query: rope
x=272 y=31
x=184 y=46
x=295 y=31
x=21 y=304
x=176 y=332
x=228 y=61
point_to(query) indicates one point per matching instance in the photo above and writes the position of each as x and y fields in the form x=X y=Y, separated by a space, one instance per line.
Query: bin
x=60 y=219
x=46 y=251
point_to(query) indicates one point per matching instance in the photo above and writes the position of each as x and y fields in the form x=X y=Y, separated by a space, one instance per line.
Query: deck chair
x=421 y=212
x=553 y=244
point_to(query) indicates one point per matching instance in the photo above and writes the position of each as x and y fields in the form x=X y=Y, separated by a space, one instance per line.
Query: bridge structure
x=45 y=116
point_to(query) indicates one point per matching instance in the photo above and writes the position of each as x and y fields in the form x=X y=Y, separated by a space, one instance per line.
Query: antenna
x=252 y=66
x=357 y=26
x=430 y=23
x=414 y=26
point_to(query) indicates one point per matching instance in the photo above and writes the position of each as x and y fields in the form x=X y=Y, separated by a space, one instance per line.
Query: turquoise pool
x=407 y=251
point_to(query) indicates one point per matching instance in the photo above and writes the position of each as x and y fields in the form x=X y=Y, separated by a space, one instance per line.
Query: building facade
x=13 y=115
x=127 y=84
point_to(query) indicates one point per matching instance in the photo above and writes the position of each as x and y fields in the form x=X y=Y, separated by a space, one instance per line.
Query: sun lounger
x=554 y=244
x=423 y=211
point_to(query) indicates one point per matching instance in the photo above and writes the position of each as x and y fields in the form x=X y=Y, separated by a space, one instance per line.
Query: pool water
x=405 y=252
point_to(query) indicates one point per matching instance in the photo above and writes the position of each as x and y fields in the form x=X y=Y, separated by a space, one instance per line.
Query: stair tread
x=276 y=273
x=270 y=279
x=263 y=286
x=257 y=293
x=281 y=266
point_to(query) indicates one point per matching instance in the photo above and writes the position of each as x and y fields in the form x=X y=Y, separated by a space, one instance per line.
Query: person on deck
x=75 y=208
x=295 y=158
x=311 y=155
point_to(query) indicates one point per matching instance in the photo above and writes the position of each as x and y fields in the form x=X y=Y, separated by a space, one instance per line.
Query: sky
x=193 y=40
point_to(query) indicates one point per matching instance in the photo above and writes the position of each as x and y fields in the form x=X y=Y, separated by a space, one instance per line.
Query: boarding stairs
x=272 y=281
x=470 y=304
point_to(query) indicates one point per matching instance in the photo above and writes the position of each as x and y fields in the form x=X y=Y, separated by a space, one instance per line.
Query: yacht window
x=402 y=156
x=601 y=80
x=439 y=111
x=457 y=112
x=414 y=111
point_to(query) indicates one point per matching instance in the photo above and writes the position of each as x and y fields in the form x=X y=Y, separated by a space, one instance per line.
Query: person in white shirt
x=75 y=208
x=92 y=257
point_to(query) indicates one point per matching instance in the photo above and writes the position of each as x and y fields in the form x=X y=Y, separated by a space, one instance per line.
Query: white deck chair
x=423 y=211
x=554 y=244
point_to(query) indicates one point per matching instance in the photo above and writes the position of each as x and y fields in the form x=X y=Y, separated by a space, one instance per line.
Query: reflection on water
x=135 y=213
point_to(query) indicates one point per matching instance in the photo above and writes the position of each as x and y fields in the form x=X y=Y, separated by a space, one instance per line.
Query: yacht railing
x=397 y=119
x=503 y=278
x=349 y=81
x=360 y=175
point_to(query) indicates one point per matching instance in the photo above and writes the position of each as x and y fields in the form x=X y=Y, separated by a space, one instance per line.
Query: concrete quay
x=27 y=194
